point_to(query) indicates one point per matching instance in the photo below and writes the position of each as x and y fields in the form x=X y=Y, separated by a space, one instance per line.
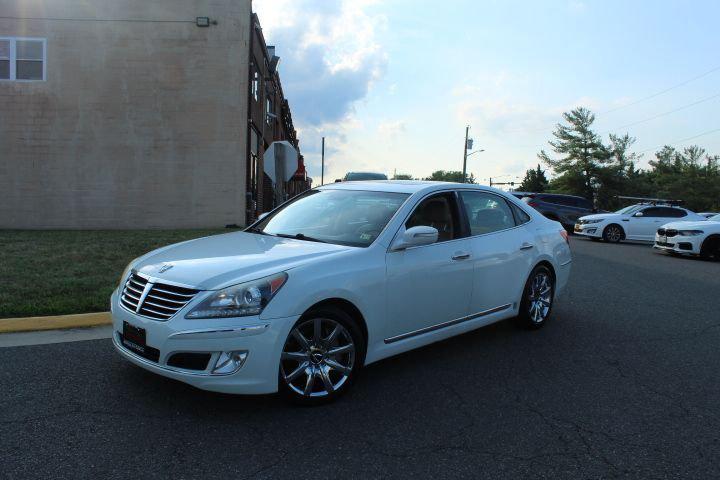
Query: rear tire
x=537 y=301
x=321 y=357
x=613 y=233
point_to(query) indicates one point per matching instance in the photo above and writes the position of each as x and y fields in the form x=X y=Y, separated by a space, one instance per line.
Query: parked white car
x=635 y=222
x=691 y=238
x=337 y=278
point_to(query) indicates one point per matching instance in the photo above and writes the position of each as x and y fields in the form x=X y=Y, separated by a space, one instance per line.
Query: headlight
x=241 y=300
x=126 y=271
x=690 y=233
x=594 y=221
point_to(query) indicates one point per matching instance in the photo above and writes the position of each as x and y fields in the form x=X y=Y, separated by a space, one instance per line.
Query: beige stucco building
x=124 y=113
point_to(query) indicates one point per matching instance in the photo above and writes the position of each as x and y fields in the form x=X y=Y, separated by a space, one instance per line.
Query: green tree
x=690 y=175
x=402 y=176
x=534 y=181
x=582 y=153
x=450 y=176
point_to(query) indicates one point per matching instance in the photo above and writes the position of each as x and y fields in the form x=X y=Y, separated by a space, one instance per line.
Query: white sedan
x=636 y=222
x=693 y=238
x=337 y=278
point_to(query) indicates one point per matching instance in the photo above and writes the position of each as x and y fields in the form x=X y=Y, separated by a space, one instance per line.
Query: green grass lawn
x=62 y=272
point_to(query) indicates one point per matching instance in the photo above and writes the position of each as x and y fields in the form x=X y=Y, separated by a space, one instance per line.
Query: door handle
x=526 y=246
x=460 y=256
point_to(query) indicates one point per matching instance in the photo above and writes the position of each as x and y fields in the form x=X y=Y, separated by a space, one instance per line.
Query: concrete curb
x=31 y=324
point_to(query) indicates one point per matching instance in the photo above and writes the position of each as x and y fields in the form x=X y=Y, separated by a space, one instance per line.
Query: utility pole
x=465 y=145
x=322 y=164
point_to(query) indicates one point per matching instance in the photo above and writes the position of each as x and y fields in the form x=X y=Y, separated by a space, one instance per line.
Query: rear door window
x=486 y=212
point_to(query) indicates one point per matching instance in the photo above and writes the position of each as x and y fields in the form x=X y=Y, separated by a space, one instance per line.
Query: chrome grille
x=154 y=300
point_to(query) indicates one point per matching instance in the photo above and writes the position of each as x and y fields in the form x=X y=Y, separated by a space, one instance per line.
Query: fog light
x=229 y=362
x=591 y=230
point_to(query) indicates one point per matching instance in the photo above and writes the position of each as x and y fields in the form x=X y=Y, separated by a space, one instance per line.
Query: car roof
x=403 y=186
x=544 y=194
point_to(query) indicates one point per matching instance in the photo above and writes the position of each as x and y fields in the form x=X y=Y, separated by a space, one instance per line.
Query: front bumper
x=588 y=230
x=679 y=244
x=263 y=341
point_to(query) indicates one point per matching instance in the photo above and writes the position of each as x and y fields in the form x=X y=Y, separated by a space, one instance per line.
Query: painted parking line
x=54 y=336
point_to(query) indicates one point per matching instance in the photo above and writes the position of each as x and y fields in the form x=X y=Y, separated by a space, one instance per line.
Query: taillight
x=565 y=236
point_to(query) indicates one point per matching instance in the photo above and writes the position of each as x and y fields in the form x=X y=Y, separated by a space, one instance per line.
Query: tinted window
x=486 y=212
x=663 y=212
x=676 y=212
x=582 y=203
x=550 y=199
x=439 y=212
x=520 y=215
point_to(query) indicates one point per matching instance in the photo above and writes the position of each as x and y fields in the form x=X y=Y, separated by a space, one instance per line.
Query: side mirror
x=638 y=214
x=263 y=215
x=415 y=237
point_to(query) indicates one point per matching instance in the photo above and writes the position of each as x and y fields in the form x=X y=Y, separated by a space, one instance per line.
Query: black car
x=565 y=209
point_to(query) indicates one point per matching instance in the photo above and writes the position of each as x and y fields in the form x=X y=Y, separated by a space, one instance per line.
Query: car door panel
x=502 y=252
x=427 y=286
x=431 y=284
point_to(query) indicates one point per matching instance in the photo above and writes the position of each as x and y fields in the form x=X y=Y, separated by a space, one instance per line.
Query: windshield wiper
x=300 y=236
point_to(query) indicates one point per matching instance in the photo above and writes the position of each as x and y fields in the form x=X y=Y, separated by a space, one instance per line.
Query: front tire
x=613 y=233
x=321 y=357
x=537 y=300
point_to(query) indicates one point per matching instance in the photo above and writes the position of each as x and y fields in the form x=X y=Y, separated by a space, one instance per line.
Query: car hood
x=702 y=224
x=218 y=261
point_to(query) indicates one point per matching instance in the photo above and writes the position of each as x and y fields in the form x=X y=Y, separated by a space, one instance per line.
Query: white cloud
x=330 y=58
x=329 y=54
x=391 y=129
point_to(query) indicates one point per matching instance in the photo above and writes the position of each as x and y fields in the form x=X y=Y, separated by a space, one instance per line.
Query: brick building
x=136 y=114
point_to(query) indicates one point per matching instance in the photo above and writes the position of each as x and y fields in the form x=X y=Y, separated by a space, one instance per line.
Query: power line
x=683 y=107
x=662 y=91
x=681 y=140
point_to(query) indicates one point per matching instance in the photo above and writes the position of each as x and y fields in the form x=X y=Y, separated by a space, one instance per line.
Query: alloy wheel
x=613 y=234
x=318 y=357
x=540 y=297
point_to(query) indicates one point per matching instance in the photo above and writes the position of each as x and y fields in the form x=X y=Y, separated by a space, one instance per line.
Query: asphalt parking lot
x=623 y=382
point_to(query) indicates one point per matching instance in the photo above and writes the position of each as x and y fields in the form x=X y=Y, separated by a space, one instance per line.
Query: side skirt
x=450 y=323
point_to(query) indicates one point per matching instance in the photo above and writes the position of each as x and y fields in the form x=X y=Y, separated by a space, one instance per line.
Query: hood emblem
x=165 y=267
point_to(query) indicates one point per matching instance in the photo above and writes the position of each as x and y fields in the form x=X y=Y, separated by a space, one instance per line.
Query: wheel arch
x=348 y=307
x=624 y=235
x=712 y=239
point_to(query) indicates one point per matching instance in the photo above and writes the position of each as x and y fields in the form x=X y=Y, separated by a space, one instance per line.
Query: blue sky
x=392 y=84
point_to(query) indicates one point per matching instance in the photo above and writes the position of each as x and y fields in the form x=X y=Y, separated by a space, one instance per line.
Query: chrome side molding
x=450 y=323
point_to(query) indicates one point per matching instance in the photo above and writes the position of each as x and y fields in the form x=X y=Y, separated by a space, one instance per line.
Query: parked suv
x=565 y=209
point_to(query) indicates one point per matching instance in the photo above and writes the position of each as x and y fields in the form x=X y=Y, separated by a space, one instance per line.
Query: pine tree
x=534 y=181
x=583 y=154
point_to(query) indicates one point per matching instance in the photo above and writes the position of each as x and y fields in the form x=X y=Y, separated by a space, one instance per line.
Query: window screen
x=4 y=59
x=29 y=56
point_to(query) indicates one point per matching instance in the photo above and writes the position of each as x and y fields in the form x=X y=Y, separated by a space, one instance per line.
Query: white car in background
x=692 y=238
x=337 y=278
x=635 y=222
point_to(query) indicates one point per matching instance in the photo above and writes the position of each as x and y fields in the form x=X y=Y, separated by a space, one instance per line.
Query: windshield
x=630 y=209
x=343 y=217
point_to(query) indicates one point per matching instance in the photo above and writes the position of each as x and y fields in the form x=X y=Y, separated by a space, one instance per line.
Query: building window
x=22 y=59
x=255 y=88
x=269 y=113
